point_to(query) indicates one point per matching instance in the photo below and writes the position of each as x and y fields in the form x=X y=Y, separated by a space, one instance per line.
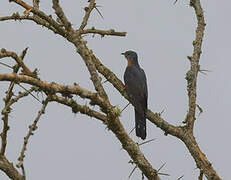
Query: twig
x=49 y=20
x=79 y=108
x=32 y=128
x=87 y=14
x=29 y=92
x=110 y=32
x=194 y=62
x=4 y=53
x=51 y=87
x=19 y=96
x=35 y=19
x=59 y=12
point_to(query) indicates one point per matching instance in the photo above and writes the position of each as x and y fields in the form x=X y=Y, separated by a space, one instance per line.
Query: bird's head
x=131 y=57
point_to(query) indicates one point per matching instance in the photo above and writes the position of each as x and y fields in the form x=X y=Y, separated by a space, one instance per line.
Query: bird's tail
x=140 y=123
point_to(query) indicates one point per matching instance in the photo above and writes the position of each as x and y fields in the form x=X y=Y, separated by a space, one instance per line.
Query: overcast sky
x=68 y=146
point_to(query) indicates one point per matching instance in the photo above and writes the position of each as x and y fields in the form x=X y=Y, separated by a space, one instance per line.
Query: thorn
x=189 y=58
x=99 y=11
x=163 y=174
x=200 y=109
x=161 y=167
x=180 y=177
x=146 y=142
x=132 y=172
x=131 y=130
x=202 y=71
x=130 y=162
x=175 y=2
x=125 y=107
x=105 y=81
x=6 y=65
x=161 y=112
x=30 y=93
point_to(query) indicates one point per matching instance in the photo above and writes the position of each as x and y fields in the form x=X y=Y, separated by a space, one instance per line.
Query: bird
x=137 y=91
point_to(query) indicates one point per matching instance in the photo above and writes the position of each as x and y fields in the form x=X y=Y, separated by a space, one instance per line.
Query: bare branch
x=79 y=108
x=4 y=53
x=87 y=14
x=28 y=91
x=110 y=32
x=53 y=88
x=42 y=15
x=15 y=99
x=9 y=169
x=6 y=110
x=35 y=19
x=191 y=76
x=59 y=12
x=32 y=128
x=185 y=133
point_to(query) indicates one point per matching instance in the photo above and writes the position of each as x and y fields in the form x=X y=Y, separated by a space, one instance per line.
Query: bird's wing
x=136 y=87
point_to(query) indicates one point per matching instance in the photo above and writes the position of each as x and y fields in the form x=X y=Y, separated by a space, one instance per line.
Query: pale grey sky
x=68 y=146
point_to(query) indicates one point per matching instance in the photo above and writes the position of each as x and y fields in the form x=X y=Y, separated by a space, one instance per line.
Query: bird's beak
x=123 y=53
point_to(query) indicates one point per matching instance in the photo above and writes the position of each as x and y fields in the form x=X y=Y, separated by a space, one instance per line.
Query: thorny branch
x=4 y=53
x=32 y=128
x=83 y=109
x=8 y=99
x=87 y=14
x=191 y=75
x=110 y=32
x=94 y=65
x=59 y=12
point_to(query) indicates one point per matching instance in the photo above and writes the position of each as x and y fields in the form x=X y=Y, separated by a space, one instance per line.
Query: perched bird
x=136 y=88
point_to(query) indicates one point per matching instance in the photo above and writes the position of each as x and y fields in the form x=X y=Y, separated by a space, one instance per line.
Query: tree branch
x=87 y=14
x=79 y=108
x=59 y=12
x=42 y=15
x=9 y=169
x=49 y=87
x=8 y=101
x=191 y=75
x=36 y=19
x=4 y=53
x=110 y=32
x=32 y=128
x=185 y=133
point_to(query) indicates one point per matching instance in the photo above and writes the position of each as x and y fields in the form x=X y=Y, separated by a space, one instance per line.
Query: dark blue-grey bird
x=136 y=88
